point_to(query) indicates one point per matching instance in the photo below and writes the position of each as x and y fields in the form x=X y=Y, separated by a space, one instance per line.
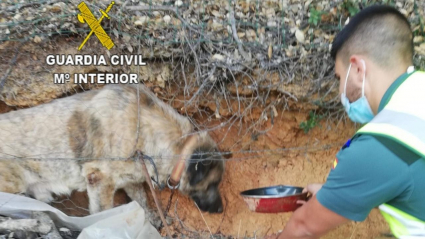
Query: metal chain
x=169 y=203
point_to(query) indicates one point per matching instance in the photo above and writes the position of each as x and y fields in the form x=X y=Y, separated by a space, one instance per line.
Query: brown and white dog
x=65 y=145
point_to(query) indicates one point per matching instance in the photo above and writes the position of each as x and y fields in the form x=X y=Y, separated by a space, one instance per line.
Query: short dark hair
x=379 y=31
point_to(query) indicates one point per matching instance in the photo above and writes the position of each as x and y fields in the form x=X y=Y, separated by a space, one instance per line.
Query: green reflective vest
x=403 y=120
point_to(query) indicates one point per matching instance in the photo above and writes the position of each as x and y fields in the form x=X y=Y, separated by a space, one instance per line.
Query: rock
x=215 y=13
x=138 y=23
x=251 y=33
x=300 y=35
x=418 y=39
x=298 y=22
x=17 y=16
x=142 y=21
x=420 y=49
x=270 y=13
x=294 y=9
x=126 y=37
x=216 y=26
x=271 y=24
x=241 y=34
x=404 y=12
x=37 y=39
x=167 y=19
x=55 y=9
x=218 y=57
x=307 y=4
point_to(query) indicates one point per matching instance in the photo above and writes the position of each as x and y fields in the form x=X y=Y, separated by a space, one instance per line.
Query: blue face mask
x=358 y=111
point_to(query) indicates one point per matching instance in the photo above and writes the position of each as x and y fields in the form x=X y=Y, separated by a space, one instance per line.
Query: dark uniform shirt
x=373 y=170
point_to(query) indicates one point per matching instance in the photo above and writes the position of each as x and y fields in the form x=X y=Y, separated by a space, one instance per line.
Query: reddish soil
x=297 y=167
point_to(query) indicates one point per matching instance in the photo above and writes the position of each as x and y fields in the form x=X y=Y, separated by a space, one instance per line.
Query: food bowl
x=274 y=199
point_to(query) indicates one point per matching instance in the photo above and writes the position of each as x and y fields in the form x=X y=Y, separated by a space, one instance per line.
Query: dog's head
x=203 y=174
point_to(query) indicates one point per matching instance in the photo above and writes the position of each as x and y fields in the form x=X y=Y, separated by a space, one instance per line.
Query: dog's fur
x=103 y=124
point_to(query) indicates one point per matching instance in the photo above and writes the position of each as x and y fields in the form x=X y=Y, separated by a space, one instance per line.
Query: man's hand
x=312 y=189
x=311 y=220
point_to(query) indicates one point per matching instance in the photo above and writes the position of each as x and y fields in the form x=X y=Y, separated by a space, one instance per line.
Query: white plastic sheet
x=124 y=222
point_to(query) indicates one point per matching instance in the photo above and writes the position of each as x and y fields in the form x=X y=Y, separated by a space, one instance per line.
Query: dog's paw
x=154 y=219
x=157 y=223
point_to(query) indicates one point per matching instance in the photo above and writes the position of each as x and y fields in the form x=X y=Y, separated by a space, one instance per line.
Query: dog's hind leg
x=137 y=193
x=43 y=190
x=40 y=191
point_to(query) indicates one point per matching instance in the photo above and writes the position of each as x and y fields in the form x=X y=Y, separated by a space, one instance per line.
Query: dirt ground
x=296 y=167
x=303 y=158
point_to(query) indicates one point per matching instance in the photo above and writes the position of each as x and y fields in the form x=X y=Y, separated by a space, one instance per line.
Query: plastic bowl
x=274 y=199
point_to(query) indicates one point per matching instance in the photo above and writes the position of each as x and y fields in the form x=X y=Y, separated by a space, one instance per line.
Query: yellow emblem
x=86 y=16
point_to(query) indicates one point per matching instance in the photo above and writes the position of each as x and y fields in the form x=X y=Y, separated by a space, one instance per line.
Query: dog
x=73 y=143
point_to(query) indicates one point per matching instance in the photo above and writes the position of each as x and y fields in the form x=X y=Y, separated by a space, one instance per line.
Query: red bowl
x=274 y=199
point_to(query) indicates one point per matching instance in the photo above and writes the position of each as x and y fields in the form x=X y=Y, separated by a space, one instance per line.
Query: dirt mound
x=307 y=159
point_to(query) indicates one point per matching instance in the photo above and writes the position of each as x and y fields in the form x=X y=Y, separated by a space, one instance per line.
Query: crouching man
x=383 y=165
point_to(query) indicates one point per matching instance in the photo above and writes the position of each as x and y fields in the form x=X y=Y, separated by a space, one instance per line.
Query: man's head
x=378 y=43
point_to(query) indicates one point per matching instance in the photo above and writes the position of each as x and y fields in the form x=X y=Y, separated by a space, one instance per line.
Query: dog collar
x=172 y=187
x=173 y=181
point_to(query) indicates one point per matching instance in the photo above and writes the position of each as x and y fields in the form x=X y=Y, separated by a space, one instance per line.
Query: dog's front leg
x=137 y=193
x=100 y=190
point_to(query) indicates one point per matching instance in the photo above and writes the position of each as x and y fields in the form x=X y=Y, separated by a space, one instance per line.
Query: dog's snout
x=216 y=206
x=206 y=204
x=220 y=209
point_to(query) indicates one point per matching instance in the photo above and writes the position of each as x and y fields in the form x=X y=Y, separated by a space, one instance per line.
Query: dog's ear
x=197 y=171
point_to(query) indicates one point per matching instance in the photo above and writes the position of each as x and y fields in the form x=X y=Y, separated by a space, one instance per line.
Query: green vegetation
x=312 y=121
x=315 y=16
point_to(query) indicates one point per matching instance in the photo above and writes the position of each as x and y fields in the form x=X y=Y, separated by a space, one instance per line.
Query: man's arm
x=312 y=220
x=368 y=174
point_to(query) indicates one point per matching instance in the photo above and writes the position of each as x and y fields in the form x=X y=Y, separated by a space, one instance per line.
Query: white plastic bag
x=124 y=222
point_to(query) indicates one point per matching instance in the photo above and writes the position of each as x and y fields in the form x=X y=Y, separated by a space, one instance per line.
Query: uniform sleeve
x=367 y=174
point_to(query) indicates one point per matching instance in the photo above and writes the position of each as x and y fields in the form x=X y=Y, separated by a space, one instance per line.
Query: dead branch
x=235 y=34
